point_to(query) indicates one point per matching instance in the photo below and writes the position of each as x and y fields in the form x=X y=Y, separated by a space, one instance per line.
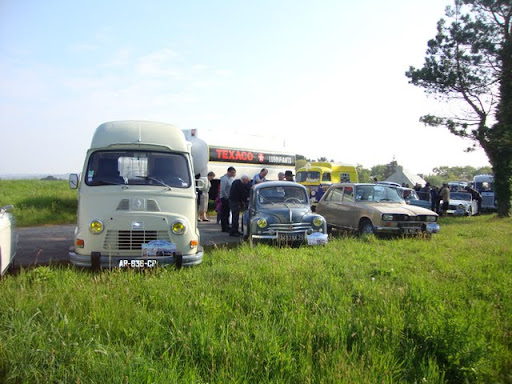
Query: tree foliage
x=469 y=62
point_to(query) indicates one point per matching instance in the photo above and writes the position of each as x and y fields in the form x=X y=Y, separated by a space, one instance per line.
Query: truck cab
x=485 y=185
x=318 y=176
x=137 y=199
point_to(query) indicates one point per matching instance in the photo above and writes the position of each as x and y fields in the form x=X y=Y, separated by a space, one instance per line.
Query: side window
x=326 y=176
x=337 y=194
x=348 y=195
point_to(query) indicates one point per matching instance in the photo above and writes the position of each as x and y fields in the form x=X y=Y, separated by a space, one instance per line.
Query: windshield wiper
x=155 y=180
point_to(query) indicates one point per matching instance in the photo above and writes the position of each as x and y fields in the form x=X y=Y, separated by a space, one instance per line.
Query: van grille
x=124 y=205
x=130 y=240
x=151 y=205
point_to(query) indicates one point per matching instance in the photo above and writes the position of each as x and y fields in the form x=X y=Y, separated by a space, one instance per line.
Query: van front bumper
x=97 y=260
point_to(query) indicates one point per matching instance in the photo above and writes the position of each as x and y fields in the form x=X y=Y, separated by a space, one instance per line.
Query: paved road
x=50 y=244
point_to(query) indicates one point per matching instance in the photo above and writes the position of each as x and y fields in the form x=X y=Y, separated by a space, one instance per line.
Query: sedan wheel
x=366 y=228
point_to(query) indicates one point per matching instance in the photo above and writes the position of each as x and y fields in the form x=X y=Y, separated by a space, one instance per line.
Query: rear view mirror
x=74 y=180
x=200 y=184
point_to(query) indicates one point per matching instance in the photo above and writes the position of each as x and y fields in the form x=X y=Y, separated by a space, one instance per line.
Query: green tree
x=470 y=62
x=363 y=174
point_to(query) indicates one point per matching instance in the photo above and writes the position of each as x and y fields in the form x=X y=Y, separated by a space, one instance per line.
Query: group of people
x=437 y=195
x=234 y=194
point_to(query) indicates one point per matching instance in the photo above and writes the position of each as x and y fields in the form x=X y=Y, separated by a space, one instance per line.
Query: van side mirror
x=74 y=180
x=200 y=184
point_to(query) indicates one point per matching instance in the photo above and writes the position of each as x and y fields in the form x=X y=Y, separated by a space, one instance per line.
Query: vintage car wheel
x=366 y=228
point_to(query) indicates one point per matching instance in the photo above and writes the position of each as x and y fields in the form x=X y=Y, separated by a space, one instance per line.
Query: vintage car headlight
x=178 y=227
x=313 y=193
x=431 y=219
x=462 y=207
x=318 y=221
x=96 y=227
x=262 y=223
x=387 y=217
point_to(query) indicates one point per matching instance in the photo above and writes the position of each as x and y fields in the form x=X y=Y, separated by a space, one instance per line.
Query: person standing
x=280 y=176
x=424 y=192
x=225 y=188
x=288 y=176
x=434 y=199
x=237 y=200
x=476 y=196
x=444 y=194
x=203 y=201
x=260 y=177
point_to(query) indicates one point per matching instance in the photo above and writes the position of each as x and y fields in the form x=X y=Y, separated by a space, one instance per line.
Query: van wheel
x=366 y=228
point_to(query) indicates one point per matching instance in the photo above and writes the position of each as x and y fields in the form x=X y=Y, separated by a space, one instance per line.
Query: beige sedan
x=374 y=208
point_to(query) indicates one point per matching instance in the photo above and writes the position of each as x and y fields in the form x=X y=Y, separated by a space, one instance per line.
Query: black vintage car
x=279 y=212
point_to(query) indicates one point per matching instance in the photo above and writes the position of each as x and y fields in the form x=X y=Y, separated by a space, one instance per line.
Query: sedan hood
x=460 y=202
x=404 y=209
x=282 y=213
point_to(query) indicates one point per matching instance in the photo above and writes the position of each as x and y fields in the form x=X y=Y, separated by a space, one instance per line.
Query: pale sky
x=324 y=78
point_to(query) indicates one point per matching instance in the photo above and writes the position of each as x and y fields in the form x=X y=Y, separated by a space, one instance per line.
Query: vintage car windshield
x=138 y=168
x=377 y=194
x=460 y=196
x=281 y=195
x=310 y=177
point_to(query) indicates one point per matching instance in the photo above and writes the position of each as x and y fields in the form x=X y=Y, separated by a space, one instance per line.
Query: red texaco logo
x=261 y=157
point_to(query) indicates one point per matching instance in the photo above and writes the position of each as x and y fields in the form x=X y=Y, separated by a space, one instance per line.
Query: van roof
x=139 y=132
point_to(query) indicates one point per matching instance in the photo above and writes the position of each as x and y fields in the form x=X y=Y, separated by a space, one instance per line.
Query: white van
x=137 y=205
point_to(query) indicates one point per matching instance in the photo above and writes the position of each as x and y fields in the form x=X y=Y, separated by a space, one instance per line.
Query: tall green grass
x=353 y=311
x=39 y=202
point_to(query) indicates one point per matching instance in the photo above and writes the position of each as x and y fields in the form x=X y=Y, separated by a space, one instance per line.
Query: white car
x=462 y=204
x=7 y=239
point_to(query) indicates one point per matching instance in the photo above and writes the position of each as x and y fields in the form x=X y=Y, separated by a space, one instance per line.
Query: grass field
x=353 y=311
x=39 y=202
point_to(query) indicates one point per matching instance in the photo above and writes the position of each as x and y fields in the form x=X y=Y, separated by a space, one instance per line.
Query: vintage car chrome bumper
x=283 y=236
x=97 y=260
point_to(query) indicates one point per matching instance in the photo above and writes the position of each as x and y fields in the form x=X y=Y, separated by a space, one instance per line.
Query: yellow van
x=318 y=176
x=137 y=204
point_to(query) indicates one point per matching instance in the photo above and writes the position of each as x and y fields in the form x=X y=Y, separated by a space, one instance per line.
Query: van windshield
x=311 y=177
x=138 y=168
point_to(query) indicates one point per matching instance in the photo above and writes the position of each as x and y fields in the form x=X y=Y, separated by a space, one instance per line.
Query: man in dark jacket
x=238 y=196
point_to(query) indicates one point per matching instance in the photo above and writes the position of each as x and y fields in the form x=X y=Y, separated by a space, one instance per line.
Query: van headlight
x=262 y=223
x=178 y=227
x=96 y=227
x=318 y=221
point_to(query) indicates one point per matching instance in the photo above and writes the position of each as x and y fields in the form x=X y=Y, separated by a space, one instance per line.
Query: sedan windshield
x=282 y=195
x=138 y=168
x=377 y=194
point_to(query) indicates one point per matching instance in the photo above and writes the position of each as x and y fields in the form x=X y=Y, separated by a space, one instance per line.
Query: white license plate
x=291 y=237
x=148 y=263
